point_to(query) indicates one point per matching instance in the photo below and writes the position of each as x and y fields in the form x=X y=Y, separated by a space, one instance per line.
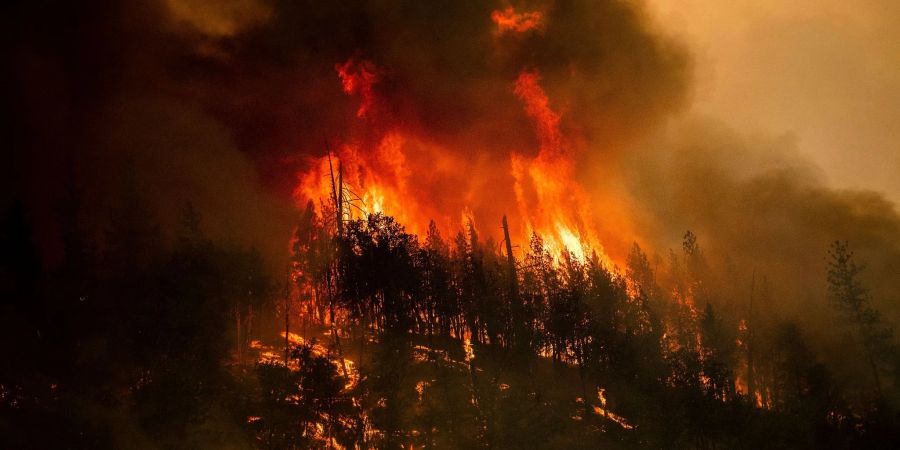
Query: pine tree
x=851 y=299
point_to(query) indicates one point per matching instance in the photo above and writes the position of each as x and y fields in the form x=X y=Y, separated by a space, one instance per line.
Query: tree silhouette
x=851 y=299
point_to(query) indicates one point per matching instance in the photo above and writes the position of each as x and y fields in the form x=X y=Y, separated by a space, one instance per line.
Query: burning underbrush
x=428 y=365
x=440 y=341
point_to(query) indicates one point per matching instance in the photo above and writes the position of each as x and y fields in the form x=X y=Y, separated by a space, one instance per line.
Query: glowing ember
x=603 y=411
x=470 y=351
x=508 y=20
x=359 y=78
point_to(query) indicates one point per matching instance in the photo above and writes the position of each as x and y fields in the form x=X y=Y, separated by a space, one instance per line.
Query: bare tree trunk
x=867 y=346
x=248 y=328
x=751 y=380
x=334 y=329
x=237 y=322
x=514 y=302
x=287 y=319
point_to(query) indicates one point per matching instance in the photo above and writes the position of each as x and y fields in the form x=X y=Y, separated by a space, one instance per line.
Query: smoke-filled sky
x=825 y=72
x=226 y=102
x=743 y=121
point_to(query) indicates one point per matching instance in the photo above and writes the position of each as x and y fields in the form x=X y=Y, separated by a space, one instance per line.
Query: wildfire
x=550 y=201
x=320 y=350
x=603 y=411
x=373 y=172
x=376 y=175
x=359 y=77
x=373 y=182
x=509 y=20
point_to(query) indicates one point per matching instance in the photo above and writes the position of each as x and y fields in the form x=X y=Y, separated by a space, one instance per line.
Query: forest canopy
x=377 y=338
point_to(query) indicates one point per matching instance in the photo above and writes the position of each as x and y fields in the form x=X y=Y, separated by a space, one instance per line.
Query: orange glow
x=359 y=77
x=537 y=106
x=376 y=174
x=319 y=350
x=551 y=202
x=398 y=172
x=603 y=411
x=374 y=182
x=509 y=20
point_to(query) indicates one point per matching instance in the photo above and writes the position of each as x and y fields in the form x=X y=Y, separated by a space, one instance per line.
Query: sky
x=824 y=73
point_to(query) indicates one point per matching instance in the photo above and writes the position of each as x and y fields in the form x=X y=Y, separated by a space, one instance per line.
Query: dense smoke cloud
x=223 y=103
x=97 y=105
x=825 y=70
x=447 y=74
x=214 y=100
x=765 y=217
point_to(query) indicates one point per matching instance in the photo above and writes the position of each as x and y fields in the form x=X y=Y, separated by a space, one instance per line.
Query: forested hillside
x=446 y=224
x=376 y=338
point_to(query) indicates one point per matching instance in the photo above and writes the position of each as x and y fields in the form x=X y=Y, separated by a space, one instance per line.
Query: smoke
x=447 y=72
x=198 y=163
x=96 y=101
x=220 y=19
x=224 y=103
x=257 y=81
x=765 y=217
x=823 y=69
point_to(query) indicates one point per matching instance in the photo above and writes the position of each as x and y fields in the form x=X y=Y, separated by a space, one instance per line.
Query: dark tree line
x=134 y=340
x=129 y=341
x=551 y=351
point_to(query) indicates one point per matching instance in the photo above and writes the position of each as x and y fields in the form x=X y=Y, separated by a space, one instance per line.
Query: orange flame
x=390 y=170
x=550 y=201
x=509 y=20
x=537 y=106
x=359 y=77
x=374 y=182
